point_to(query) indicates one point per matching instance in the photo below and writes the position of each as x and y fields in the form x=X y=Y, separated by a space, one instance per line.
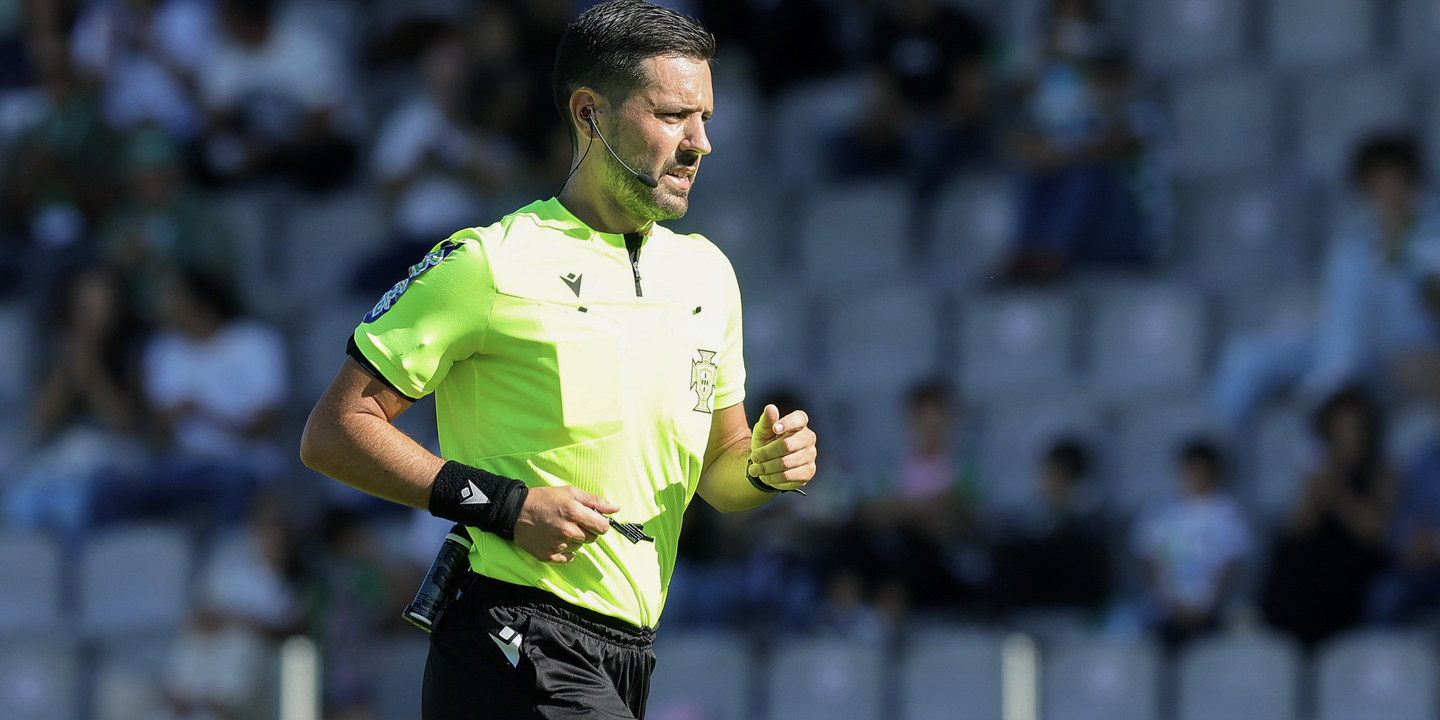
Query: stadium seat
x=30 y=592
x=1095 y=680
x=1191 y=34
x=855 y=236
x=1017 y=434
x=326 y=239
x=1377 y=675
x=134 y=580
x=38 y=681
x=397 y=696
x=742 y=224
x=1419 y=24
x=1285 y=451
x=320 y=349
x=1147 y=339
x=1320 y=33
x=1338 y=111
x=1151 y=434
x=252 y=219
x=883 y=337
x=1016 y=343
x=1239 y=234
x=778 y=351
x=806 y=117
x=825 y=679
x=1240 y=678
x=1224 y=123
x=971 y=231
x=15 y=348
x=1431 y=127
x=129 y=677
x=952 y=674
x=701 y=675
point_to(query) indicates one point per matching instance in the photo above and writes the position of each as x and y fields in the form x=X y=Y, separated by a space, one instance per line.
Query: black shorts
x=509 y=651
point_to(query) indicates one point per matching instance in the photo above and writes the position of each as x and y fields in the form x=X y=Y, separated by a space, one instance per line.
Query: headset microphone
x=648 y=180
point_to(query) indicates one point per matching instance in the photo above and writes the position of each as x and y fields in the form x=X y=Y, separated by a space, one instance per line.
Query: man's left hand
x=782 y=450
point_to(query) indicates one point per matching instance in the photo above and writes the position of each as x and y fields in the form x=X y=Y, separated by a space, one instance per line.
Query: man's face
x=660 y=130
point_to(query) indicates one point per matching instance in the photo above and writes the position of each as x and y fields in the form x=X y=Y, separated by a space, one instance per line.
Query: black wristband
x=760 y=485
x=478 y=499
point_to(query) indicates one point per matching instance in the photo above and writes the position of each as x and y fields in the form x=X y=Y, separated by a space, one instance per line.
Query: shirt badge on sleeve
x=387 y=300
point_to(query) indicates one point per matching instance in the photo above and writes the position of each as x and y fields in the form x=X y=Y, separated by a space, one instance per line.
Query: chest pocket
x=588 y=359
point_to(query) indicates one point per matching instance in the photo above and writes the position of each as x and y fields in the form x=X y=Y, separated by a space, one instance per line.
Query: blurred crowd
x=164 y=390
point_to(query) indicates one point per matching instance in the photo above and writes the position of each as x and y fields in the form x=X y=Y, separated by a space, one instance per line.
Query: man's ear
x=584 y=106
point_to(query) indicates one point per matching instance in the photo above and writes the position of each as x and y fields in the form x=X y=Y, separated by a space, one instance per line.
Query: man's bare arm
x=349 y=437
x=783 y=450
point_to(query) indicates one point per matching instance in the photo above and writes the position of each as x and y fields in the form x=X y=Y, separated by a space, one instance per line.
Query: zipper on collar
x=632 y=245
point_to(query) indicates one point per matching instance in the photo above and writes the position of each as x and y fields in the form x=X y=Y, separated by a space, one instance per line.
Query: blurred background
x=1119 y=322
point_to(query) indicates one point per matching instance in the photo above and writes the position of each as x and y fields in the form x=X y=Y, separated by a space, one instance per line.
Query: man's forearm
x=366 y=452
x=723 y=483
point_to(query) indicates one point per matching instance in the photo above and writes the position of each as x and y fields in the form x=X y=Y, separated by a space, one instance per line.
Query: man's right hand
x=557 y=520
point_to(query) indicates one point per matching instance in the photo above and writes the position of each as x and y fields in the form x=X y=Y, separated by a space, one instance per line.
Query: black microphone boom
x=647 y=180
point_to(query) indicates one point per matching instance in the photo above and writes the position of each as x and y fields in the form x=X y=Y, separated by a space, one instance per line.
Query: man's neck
x=587 y=200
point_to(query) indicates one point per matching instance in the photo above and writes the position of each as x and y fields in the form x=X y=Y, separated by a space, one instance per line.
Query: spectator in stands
x=1409 y=589
x=88 y=414
x=846 y=611
x=1083 y=152
x=162 y=224
x=1333 y=544
x=1380 y=296
x=349 y=605
x=145 y=54
x=213 y=672
x=930 y=105
x=250 y=576
x=216 y=382
x=1058 y=555
x=280 y=100
x=1192 y=547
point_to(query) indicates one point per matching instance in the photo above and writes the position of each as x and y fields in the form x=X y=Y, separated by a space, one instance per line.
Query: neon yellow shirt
x=551 y=363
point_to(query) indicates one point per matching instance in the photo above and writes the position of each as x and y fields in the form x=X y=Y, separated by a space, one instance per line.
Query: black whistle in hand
x=634 y=532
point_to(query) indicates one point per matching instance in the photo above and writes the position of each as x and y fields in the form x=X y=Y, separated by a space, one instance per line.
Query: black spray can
x=441 y=582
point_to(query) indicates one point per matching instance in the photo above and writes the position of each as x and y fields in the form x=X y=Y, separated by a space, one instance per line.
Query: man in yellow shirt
x=586 y=362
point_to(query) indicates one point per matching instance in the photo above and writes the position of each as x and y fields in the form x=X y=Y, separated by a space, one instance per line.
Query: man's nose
x=695 y=140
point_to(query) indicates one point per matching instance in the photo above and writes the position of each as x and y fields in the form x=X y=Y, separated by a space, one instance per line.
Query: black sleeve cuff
x=353 y=351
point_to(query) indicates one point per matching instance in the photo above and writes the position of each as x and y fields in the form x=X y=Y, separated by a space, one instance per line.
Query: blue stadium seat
x=135 y=580
x=1377 y=674
x=1016 y=435
x=1224 y=123
x=1253 y=677
x=825 y=679
x=855 y=236
x=38 y=681
x=1240 y=234
x=952 y=674
x=401 y=675
x=701 y=675
x=883 y=337
x=15 y=348
x=1095 y=680
x=1419 y=24
x=30 y=593
x=1016 y=343
x=1147 y=339
x=806 y=117
x=1285 y=452
x=1191 y=34
x=1151 y=434
x=1320 y=33
x=1338 y=111
x=971 y=231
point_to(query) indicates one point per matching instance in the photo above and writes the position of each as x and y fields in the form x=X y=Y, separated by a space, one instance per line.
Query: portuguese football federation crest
x=703 y=374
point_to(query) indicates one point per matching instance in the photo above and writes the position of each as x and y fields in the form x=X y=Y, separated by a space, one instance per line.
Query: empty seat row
x=962 y=675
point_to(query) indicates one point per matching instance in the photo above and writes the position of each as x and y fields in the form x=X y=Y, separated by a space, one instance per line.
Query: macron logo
x=573 y=281
x=471 y=495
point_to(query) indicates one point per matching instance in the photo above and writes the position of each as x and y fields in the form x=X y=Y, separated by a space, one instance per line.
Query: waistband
x=604 y=627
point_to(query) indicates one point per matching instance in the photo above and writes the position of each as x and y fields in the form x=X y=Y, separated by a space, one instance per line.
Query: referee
x=587 y=366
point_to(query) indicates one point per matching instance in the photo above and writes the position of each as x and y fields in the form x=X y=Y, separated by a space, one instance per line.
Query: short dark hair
x=1356 y=399
x=1205 y=452
x=1071 y=457
x=1394 y=151
x=928 y=392
x=603 y=49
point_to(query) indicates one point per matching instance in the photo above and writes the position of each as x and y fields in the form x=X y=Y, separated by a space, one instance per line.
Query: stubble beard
x=635 y=198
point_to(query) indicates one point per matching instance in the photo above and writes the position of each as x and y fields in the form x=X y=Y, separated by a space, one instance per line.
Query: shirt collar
x=554 y=215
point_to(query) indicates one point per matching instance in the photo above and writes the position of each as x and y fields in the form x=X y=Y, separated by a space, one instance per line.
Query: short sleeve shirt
x=553 y=364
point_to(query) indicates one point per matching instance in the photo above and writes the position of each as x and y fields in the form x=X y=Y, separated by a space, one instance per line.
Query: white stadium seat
x=952 y=674
x=1240 y=234
x=972 y=228
x=701 y=675
x=806 y=117
x=325 y=240
x=1016 y=343
x=1377 y=674
x=1419 y=24
x=825 y=680
x=30 y=592
x=1096 y=680
x=1240 y=678
x=883 y=337
x=38 y=681
x=1337 y=112
x=1191 y=34
x=855 y=236
x=1146 y=339
x=1320 y=33
x=135 y=580
x=1224 y=123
